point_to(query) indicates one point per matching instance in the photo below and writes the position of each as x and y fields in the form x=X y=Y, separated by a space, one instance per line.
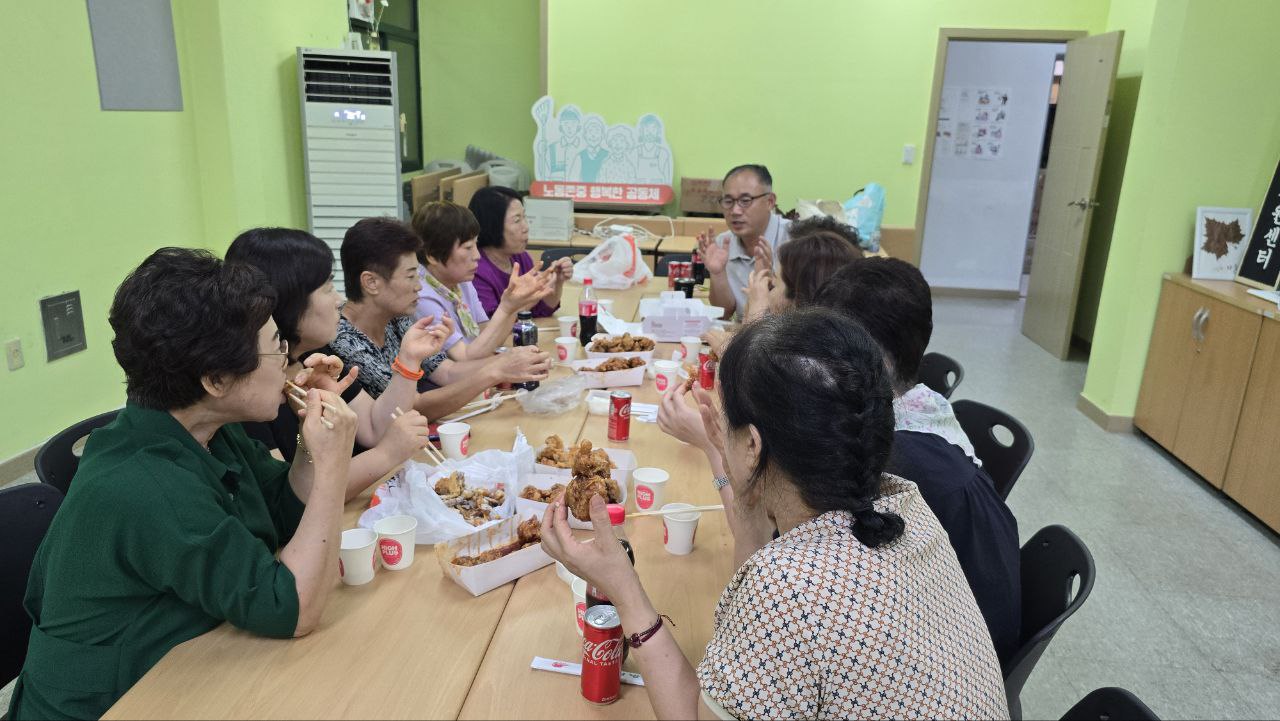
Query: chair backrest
x=1110 y=703
x=941 y=373
x=57 y=461
x=661 y=267
x=26 y=510
x=551 y=255
x=1004 y=463
x=1051 y=564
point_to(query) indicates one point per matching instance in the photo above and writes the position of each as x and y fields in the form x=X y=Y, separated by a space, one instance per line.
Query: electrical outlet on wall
x=908 y=154
x=13 y=354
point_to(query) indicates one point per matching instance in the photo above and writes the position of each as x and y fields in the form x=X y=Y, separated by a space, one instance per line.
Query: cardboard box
x=549 y=218
x=426 y=187
x=609 y=379
x=460 y=188
x=485 y=577
x=700 y=195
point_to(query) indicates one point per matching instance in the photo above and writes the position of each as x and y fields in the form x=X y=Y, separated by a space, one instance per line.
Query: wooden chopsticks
x=673 y=511
x=435 y=455
x=298 y=395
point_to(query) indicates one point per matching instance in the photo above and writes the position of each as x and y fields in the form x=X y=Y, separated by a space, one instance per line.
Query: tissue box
x=544 y=481
x=485 y=577
x=670 y=319
x=609 y=379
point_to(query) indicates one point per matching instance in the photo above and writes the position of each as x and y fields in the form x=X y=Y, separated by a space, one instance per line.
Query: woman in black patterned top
x=859 y=609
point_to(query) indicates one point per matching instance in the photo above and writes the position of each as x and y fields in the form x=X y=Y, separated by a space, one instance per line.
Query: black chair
x=1004 y=463
x=1110 y=703
x=57 y=461
x=1051 y=563
x=551 y=255
x=661 y=267
x=936 y=371
x=26 y=510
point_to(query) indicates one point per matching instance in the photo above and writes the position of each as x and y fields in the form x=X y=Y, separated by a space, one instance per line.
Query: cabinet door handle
x=1195 y=325
x=1204 y=321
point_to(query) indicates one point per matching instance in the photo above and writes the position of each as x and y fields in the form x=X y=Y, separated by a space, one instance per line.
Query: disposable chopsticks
x=300 y=397
x=428 y=449
x=673 y=511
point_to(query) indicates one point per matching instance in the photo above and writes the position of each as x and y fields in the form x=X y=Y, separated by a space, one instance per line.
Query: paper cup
x=666 y=374
x=356 y=557
x=650 y=487
x=455 y=439
x=579 y=601
x=678 y=529
x=396 y=541
x=567 y=348
x=568 y=325
x=689 y=346
x=563 y=574
x=606 y=304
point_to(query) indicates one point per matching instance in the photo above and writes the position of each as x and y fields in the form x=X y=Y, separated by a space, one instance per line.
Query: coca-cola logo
x=625 y=411
x=605 y=652
x=391 y=551
x=644 y=496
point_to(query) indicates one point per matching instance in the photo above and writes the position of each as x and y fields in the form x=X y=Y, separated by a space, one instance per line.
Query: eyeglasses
x=744 y=202
x=284 y=349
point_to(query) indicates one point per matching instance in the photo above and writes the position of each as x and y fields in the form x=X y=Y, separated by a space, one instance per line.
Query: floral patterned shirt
x=924 y=410
x=818 y=625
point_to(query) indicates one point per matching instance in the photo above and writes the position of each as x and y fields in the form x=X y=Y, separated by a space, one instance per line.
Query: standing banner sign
x=582 y=158
x=1260 y=266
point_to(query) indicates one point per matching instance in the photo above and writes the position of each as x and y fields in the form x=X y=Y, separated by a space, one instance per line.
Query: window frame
x=409 y=36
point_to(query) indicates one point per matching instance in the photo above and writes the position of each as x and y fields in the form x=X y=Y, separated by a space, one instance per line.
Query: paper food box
x=669 y=318
x=486 y=576
x=647 y=355
x=441 y=518
x=608 y=379
x=545 y=482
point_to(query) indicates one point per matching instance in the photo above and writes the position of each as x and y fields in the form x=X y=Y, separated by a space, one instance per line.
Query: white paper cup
x=579 y=601
x=455 y=440
x=606 y=304
x=678 y=529
x=669 y=295
x=650 y=487
x=563 y=574
x=356 y=557
x=396 y=541
x=568 y=325
x=666 y=374
x=690 y=344
x=567 y=348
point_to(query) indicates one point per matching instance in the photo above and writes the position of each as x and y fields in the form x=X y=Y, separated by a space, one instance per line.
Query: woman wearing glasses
x=755 y=232
x=176 y=517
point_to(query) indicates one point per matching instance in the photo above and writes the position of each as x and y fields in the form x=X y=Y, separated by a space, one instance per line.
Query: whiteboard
x=986 y=157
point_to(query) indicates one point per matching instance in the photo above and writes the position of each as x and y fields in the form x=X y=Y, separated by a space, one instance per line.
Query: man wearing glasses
x=755 y=232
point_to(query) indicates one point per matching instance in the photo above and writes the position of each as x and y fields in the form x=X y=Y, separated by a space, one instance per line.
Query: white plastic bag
x=555 y=397
x=616 y=264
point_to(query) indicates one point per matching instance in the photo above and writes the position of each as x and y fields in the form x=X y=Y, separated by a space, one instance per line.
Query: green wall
x=480 y=68
x=825 y=93
x=1206 y=132
x=87 y=194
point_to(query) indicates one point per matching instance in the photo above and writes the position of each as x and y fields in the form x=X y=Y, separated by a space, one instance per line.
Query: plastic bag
x=616 y=264
x=865 y=211
x=412 y=492
x=555 y=397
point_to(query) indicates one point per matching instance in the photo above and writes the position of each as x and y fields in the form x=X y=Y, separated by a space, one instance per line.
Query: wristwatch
x=720 y=482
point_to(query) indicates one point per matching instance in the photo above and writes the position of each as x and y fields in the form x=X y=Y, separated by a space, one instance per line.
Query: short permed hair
x=295 y=262
x=375 y=245
x=183 y=315
x=760 y=171
x=442 y=226
x=891 y=299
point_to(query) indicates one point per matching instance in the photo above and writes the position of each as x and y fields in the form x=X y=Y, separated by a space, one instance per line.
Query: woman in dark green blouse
x=175 y=518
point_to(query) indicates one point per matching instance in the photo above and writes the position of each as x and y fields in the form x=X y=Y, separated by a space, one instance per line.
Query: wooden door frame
x=945 y=36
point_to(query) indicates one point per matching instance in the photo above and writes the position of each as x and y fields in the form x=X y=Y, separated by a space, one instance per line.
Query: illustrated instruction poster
x=972 y=122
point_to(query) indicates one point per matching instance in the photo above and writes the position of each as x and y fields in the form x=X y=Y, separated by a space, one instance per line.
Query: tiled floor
x=1186 y=609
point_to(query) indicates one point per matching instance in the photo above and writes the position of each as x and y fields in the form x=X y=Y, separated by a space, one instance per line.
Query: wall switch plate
x=13 y=354
x=63 y=324
x=908 y=154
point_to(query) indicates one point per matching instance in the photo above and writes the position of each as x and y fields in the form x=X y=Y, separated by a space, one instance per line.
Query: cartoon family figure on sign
x=585 y=149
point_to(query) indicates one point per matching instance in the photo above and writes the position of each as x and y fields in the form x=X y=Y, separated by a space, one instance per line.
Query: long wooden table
x=414 y=644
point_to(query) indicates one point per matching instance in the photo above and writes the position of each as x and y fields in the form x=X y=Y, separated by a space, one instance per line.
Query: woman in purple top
x=448 y=259
x=504 y=235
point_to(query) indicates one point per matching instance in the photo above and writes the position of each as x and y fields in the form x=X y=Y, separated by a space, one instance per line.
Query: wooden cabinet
x=1253 y=477
x=1197 y=371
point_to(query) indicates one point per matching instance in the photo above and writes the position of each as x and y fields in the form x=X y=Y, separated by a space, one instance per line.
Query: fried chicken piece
x=529 y=531
x=613 y=493
x=578 y=495
x=626 y=343
x=534 y=493
x=589 y=462
x=451 y=485
x=554 y=453
x=617 y=364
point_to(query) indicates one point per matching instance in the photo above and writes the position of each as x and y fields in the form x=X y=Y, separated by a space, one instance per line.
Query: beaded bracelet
x=405 y=370
x=636 y=640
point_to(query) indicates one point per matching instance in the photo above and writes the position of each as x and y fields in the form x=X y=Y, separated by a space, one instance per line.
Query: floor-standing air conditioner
x=350 y=140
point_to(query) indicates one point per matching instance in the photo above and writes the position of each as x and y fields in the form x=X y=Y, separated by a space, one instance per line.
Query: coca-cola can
x=706 y=368
x=619 y=416
x=673 y=272
x=601 y=655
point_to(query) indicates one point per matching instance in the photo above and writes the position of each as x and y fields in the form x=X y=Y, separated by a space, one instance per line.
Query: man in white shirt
x=755 y=232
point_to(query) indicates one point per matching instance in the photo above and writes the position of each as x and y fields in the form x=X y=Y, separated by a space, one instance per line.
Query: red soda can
x=619 y=416
x=601 y=655
x=706 y=368
x=673 y=272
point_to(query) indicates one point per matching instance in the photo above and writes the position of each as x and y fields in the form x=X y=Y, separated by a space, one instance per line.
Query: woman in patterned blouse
x=859 y=609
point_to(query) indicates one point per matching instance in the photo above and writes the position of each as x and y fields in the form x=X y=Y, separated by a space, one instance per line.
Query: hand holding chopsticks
x=299 y=395
x=435 y=455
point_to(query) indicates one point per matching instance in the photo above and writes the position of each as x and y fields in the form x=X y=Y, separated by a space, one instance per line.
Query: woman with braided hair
x=859 y=609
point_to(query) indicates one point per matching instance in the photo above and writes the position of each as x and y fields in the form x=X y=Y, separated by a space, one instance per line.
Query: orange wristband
x=405 y=371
